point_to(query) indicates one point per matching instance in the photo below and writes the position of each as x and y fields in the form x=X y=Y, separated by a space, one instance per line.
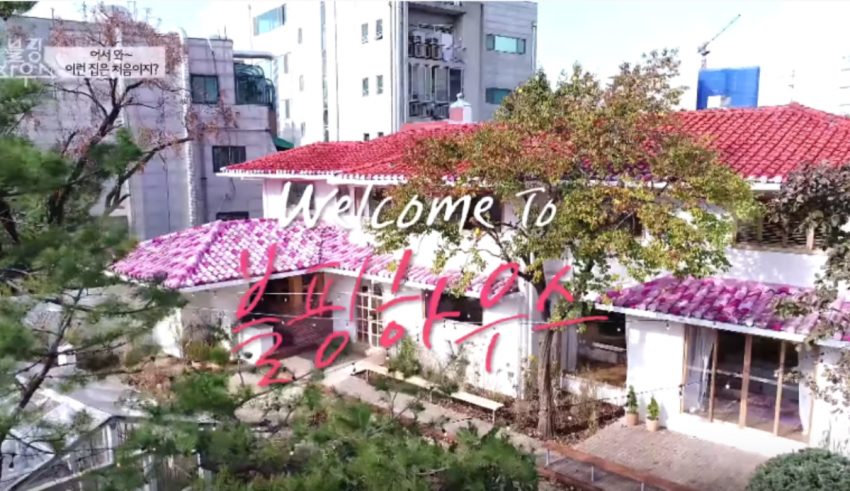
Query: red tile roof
x=723 y=300
x=764 y=144
x=209 y=254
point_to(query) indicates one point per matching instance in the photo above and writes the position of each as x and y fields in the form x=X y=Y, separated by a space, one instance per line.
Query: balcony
x=450 y=8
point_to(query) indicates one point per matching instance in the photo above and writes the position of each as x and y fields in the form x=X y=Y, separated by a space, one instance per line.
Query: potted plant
x=631 y=407
x=652 y=411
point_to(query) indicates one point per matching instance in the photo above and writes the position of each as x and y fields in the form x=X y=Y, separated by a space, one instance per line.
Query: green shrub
x=219 y=355
x=631 y=401
x=140 y=353
x=812 y=469
x=197 y=351
x=652 y=410
x=334 y=345
x=406 y=359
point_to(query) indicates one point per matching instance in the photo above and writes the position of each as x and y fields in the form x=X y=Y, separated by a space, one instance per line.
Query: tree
x=818 y=197
x=53 y=250
x=812 y=469
x=564 y=141
x=302 y=439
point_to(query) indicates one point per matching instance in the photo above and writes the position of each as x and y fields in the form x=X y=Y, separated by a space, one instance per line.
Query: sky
x=807 y=38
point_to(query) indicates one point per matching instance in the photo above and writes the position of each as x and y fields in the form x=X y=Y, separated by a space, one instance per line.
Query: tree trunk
x=545 y=417
x=558 y=352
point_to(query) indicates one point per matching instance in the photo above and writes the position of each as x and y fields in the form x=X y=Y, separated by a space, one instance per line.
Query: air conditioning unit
x=410 y=49
x=427 y=97
x=415 y=110
x=436 y=52
x=419 y=50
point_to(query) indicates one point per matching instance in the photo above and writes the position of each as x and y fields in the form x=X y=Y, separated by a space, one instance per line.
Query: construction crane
x=703 y=48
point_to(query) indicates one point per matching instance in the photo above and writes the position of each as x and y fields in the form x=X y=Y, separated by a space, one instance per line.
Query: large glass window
x=204 y=89
x=740 y=379
x=505 y=44
x=270 y=20
x=224 y=156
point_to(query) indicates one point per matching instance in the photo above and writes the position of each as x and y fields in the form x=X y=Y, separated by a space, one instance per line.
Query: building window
x=365 y=86
x=380 y=134
x=296 y=192
x=495 y=96
x=379 y=29
x=601 y=350
x=300 y=35
x=761 y=233
x=286 y=63
x=301 y=83
x=747 y=382
x=270 y=20
x=286 y=109
x=379 y=84
x=232 y=215
x=303 y=129
x=204 y=89
x=470 y=309
x=364 y=33
x=365 y=137
x=504 y=44
x=224 y=156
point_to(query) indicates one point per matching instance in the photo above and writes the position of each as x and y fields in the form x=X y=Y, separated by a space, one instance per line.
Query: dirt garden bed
x=577 y=417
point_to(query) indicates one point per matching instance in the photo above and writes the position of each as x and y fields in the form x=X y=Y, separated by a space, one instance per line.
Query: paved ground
x=673 y=456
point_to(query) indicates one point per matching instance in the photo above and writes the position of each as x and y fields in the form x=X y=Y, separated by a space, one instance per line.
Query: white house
x=707 y=350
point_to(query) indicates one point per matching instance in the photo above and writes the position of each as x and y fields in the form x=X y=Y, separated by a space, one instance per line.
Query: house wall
x=830 y=423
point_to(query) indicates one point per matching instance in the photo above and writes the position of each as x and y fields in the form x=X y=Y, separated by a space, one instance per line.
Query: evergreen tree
x=63 y=317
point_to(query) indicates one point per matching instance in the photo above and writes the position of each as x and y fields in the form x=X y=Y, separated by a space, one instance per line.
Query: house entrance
x=369 y=324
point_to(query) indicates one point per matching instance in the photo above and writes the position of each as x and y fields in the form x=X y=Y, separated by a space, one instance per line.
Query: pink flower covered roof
x=723 y=300
x=209 y=254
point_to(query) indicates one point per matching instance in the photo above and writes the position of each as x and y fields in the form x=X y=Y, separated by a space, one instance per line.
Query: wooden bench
x=479 y=401
x=643 y=478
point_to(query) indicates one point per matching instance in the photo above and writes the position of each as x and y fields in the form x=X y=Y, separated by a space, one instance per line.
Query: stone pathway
x=696 y=463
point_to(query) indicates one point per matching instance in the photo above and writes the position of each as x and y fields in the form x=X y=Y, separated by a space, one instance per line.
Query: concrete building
x=178 y=187
x=349 y=71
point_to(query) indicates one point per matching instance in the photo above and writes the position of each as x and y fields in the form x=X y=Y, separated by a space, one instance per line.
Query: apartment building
x=178 y=187
x=350 y=71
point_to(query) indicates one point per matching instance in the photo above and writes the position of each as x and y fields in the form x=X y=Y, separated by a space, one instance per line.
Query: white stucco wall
x=655 y=357
x=830 y=422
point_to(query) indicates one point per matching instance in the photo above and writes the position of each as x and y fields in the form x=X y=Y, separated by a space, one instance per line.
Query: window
x=495 y=96
x=762 y=233
x=365 y=137
x=300 y=36
x=379 y=29
x=301 y=83
x=270 y=20
x=296 y=191
x=364 y=33
x=470 y=309
x=365 y=87
x=740 y=379
x=204 y=89
x=224 y=156
x=505 y=44
x=232 y=215
x=286 y=109
x=368 y=314
x=380 y=134
x=601 y=350
x=379 y=84
x=455 y=83
x=286 y=63
x=303 y=129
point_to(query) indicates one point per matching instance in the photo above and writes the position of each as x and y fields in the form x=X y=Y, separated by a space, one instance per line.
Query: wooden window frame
x=745 y=382
x=759 y=222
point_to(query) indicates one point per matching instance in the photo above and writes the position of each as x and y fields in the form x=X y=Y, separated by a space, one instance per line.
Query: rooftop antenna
x=703 y=48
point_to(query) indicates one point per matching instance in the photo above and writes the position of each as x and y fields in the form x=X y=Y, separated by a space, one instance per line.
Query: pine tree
x=60 y=309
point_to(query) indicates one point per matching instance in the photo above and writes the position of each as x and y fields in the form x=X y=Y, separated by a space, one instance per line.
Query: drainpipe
x=534 y=47
x=189 y=155
x=401 y=64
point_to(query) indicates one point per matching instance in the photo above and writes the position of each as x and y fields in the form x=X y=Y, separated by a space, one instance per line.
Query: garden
x=577 y=416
